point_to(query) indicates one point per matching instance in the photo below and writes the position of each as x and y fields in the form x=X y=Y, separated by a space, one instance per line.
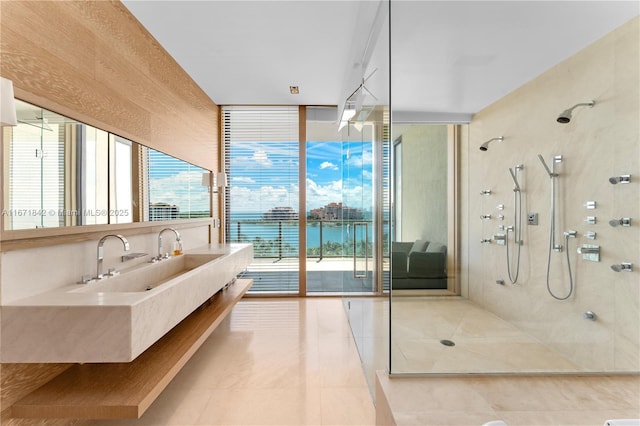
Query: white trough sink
x=116 y=319
x=148 y=277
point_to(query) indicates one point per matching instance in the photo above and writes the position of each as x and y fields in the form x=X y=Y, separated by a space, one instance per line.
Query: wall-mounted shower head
x=485 y=146
x=565 y=116
x=620 y=179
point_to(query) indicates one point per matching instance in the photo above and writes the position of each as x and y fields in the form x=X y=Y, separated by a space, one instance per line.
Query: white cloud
x=261 y=157
x=243 y=179
x=261 y=199
x=328 y=165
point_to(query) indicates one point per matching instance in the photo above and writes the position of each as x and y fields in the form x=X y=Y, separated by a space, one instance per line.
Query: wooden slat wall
x=93 y=61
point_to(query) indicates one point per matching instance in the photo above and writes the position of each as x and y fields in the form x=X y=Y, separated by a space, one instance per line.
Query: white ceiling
x=448 y=57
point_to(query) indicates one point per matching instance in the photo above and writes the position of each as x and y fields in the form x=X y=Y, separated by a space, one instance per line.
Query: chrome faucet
x=125 y=243
x=160 y=255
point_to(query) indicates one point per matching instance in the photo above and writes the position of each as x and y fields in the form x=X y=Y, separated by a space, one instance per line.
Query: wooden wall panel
x=93 y=61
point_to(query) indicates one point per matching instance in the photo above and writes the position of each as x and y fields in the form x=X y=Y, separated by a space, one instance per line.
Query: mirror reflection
x=60 y=172
x=421 y=218
x=177 y=189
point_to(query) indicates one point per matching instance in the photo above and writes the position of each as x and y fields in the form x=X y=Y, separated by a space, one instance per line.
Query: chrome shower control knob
x=589 y=315
x=485 y=216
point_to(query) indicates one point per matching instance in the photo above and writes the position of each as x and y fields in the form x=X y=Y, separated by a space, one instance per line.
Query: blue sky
x=265 y=175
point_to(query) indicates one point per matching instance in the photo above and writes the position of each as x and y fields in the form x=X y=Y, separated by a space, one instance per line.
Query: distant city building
x=280 y=213
x=163 y=211
x=336 y=211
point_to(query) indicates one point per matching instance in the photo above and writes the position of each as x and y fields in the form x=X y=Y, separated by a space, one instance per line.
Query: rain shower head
x=485 y=146
x=565 y=116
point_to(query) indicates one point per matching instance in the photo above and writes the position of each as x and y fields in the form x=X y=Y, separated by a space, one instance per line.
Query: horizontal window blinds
x=175 y=188
x=261 y=151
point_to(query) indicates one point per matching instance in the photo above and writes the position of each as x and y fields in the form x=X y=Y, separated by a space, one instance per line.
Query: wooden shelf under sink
x=126 y=390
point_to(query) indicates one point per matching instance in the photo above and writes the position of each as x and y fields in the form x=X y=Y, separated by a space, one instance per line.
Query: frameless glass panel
x=339 y=210
x=365 y=121
x=421 y=234
x=358 y=205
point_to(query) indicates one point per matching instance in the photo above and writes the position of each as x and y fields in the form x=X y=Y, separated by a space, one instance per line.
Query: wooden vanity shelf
x=126 y=390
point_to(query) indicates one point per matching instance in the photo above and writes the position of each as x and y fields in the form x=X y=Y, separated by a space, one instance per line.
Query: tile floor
x=465 y=400
x=271 y=362
x=290 y=361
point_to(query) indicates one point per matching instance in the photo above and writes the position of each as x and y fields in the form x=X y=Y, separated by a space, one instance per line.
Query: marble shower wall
x=598 y=143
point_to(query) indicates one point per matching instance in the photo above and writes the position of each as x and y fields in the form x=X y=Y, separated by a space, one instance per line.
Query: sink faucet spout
x=160 y=254
x=125 y=243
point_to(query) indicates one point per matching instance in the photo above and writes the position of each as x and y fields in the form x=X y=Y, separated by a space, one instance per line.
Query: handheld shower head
x=565 y=116
x=515 y=180
x=485 y=146
x=544 y=164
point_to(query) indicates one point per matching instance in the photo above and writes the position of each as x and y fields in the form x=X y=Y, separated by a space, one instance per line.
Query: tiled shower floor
x=484 y=343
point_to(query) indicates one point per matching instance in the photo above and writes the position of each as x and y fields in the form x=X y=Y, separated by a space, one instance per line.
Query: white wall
x=598 y=143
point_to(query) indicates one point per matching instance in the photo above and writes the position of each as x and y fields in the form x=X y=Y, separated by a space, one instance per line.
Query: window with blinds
x=261 y=152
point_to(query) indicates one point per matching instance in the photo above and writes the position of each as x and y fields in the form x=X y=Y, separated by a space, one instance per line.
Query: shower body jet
x=614 y=180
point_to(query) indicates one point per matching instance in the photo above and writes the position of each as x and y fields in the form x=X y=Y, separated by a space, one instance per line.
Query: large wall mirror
x=60 y=172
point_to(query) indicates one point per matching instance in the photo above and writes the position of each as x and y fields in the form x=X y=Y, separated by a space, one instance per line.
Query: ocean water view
x=279 y=238
x=248 y=229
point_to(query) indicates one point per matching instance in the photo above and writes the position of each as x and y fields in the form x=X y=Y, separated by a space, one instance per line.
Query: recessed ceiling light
x=294 y=90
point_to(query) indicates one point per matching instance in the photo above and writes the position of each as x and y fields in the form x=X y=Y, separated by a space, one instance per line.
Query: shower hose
x=517 y=235
x=566 y=239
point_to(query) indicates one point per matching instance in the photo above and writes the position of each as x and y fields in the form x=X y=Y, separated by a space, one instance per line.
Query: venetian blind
x=261 y=151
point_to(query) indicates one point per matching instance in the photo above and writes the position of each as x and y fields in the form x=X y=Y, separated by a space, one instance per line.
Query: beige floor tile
x=262 y=407
x=565 y=418
x=347 y=406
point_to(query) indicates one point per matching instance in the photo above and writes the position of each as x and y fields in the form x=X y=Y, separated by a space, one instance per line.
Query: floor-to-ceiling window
x=339 y=208
x=262 y=159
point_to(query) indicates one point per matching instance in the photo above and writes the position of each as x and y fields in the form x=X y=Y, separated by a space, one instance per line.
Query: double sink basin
x=117 y=318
